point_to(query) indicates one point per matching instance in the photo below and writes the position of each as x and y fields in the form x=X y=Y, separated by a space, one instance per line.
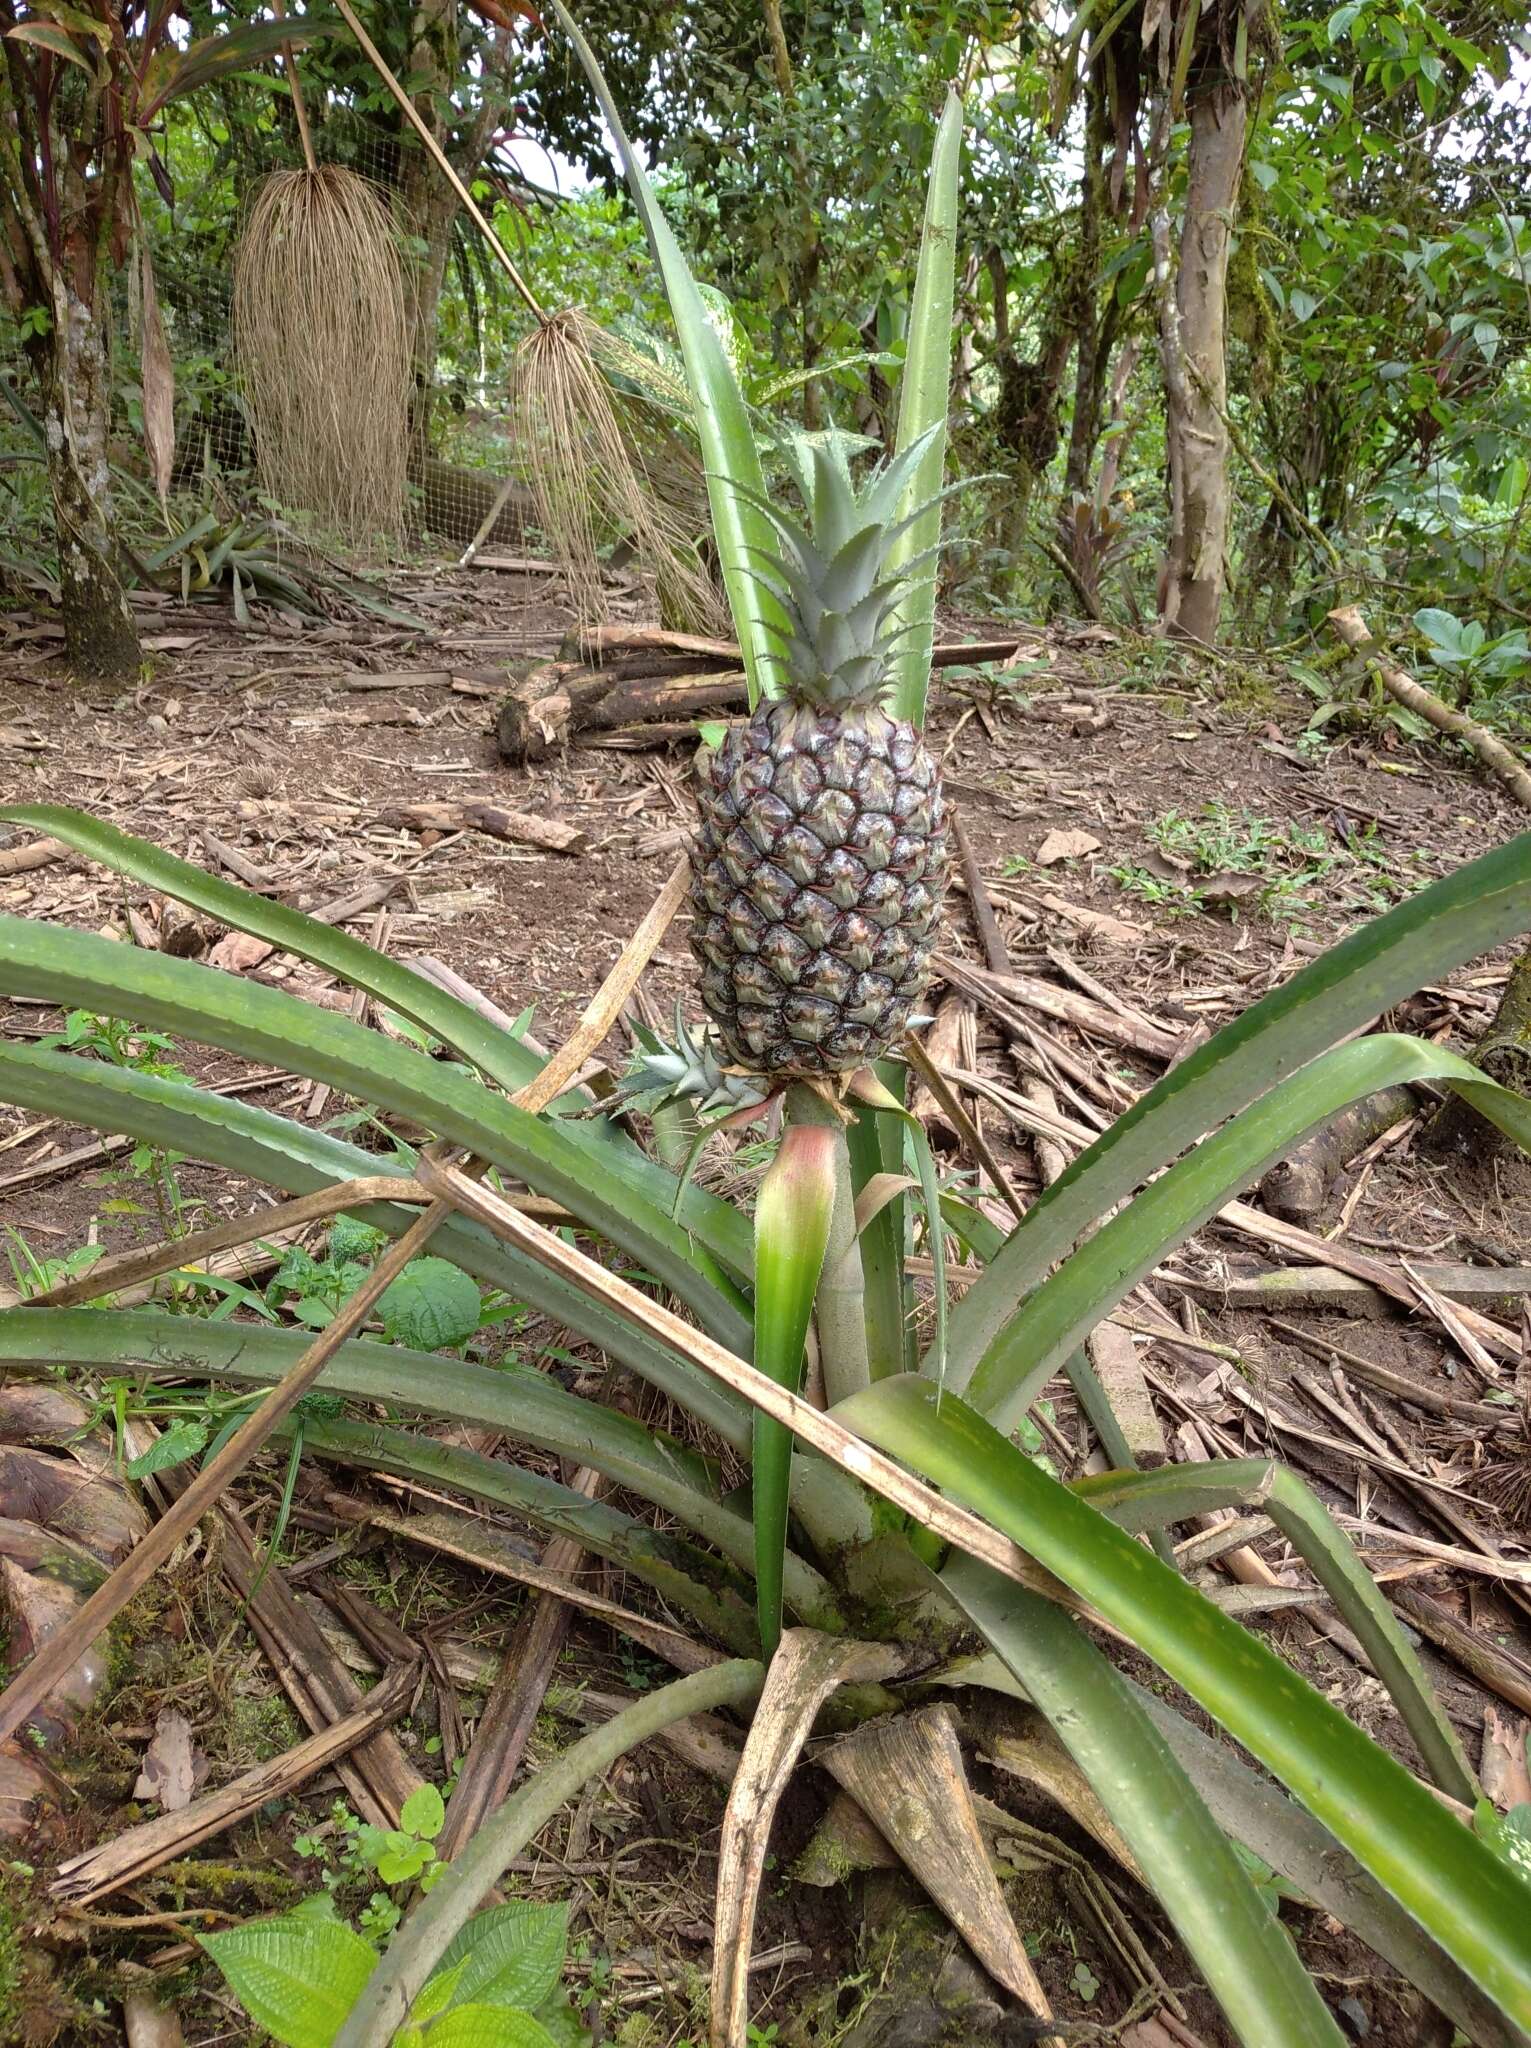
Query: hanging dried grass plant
x=323 y=339
x=603 y=467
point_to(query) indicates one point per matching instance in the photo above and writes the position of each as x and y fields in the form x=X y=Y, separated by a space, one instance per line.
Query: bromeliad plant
x=840 y=1535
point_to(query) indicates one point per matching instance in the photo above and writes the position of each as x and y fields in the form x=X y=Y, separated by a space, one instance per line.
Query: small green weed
x=1225 y=859
x=299 y=1974
x=33 y=1274
x=353 y=1852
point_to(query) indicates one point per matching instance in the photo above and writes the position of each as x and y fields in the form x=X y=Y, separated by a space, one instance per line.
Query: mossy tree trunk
x=99 y=632
x=1193 y=320
x=1098 y=316
x=64 y=217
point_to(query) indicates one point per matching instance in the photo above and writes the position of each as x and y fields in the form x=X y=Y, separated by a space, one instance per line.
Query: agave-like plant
x=903 y=1512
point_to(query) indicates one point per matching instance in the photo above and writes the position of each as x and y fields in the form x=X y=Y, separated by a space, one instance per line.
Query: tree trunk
x=99 y=633
x=1192 y=323
x=1092 y=317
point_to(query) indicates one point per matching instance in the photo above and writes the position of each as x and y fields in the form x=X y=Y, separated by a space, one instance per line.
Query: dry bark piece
x=64 y=1497
x=34 y=1609
x=907 y=1773
x=1484 y=1289
x=555 y=703
x=1120 y=1371
x=38 y=853
x=516 y=828
x=27 y=1786
x=1502 y=1671
x=805 y=1670
x=37 y=1415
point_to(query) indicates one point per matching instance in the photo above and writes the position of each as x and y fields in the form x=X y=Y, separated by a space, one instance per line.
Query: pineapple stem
x=839 y=1308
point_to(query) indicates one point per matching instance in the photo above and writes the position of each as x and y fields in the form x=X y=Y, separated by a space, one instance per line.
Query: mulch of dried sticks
x=1373 y=1333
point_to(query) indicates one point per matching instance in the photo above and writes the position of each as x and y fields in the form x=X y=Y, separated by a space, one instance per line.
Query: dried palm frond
x=322 y=333
x=606 y=466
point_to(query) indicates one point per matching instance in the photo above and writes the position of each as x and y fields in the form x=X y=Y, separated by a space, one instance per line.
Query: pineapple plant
x=820 y=865
x=869 y=1538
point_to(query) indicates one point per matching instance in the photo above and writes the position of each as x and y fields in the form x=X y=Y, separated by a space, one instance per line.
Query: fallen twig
x=138 y=1851
x=1065 y=1005
x=515 y=1699
x=38 y=853
x=1500 y=1670
x=516 y=828
x=130 y=1269
x=1352 y=629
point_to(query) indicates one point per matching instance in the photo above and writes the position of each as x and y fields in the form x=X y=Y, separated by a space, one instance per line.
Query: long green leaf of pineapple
x=1250 y=1966
x=1153 y=1500
x=729 y=454
x=875 y=1143
x=247 y=1139
x=691 y=1580
x=1088 y=1285
x=922 y=404
x=493 y=1051
x=1468 y=913
x=1470 y=1901
x=792 y=1214
x=516 y=1401
x=621 y=1195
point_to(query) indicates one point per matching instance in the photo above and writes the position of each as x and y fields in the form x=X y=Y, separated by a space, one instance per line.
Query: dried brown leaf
x=237 y=952
x=1072 y=844
x=170 y=1771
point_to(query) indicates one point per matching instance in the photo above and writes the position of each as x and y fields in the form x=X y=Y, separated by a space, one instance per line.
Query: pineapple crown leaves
x=690 y=1070
x=830 y=574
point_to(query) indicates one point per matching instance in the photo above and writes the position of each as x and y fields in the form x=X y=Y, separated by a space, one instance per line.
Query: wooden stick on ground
x=129 y=1269
x=515 y=1700
x=1500 y=760
x=377 y=1775
x=37 y=853
x=516 y=828
x=145 y=1848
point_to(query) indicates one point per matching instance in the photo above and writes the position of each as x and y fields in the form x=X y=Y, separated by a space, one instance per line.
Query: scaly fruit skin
x=817 y=881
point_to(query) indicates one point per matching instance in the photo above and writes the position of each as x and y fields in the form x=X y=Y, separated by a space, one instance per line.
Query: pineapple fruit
x=820 y=867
